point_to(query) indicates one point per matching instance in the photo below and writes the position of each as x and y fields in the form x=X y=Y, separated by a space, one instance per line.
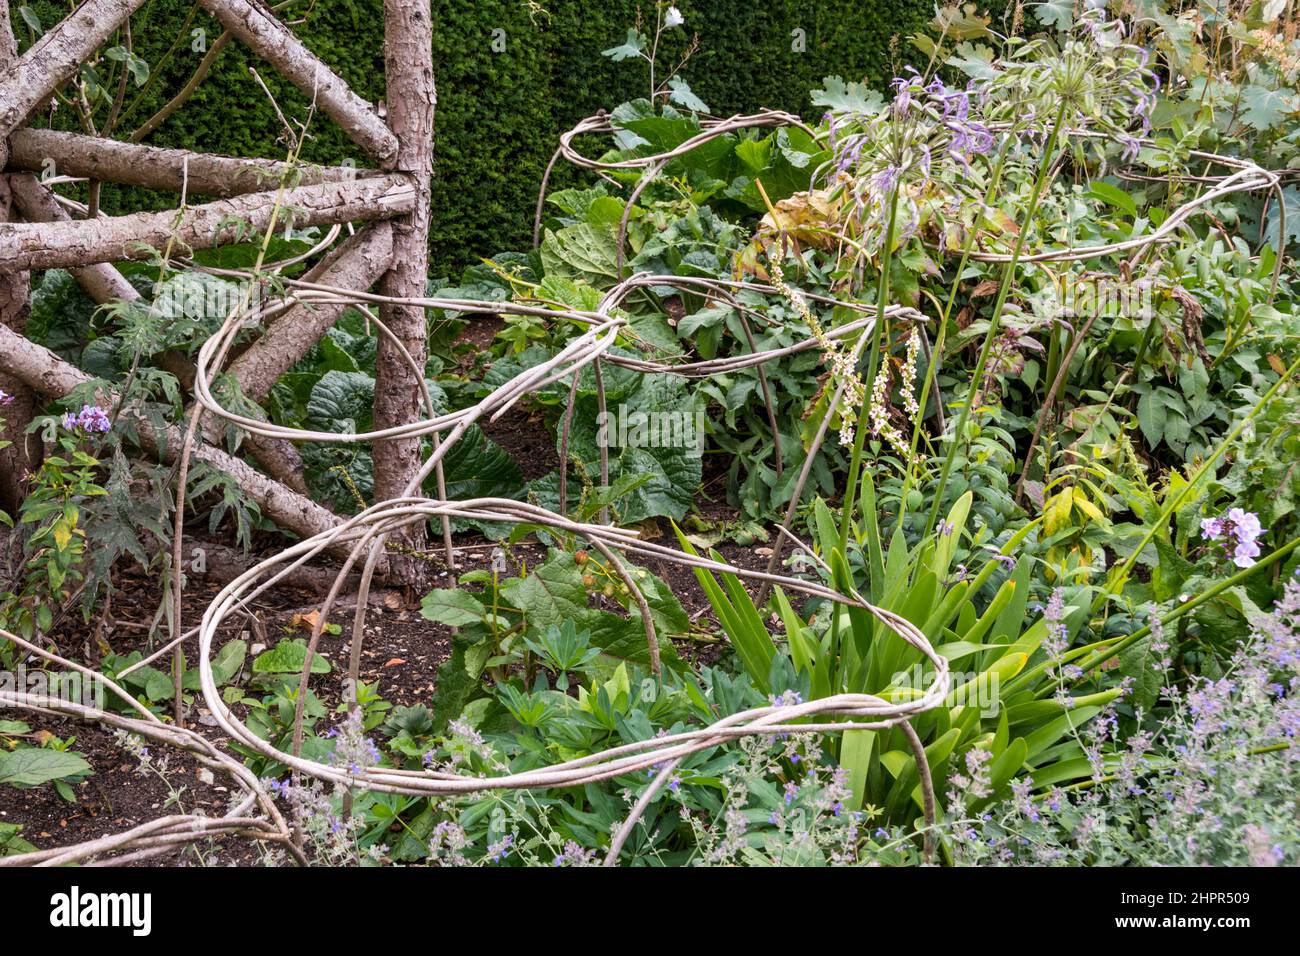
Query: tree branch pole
x=104 y=283
x=356 y=264
x=48 y=375
x=36 y=203
x=172 y=170
x=275 y=43
x=55 y=245
x=24 y=452
x=411 y=98
x=56 y=56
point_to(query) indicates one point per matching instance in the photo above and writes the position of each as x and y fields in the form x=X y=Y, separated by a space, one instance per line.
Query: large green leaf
x=342 y=402
x=582 y=251
x=32 y=766
x=551 y=594
x=287 y=657
x=624 y=638
x=60 y=314
x=453 y=607
x=477 y=467
x=658 y=432
x=10 y=841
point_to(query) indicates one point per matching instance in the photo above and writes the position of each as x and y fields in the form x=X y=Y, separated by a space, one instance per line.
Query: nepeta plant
x=785 y=806
x=1213 y=781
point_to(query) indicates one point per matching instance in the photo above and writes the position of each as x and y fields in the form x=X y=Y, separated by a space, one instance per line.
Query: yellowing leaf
x=1056 y=515
x=1087 y=507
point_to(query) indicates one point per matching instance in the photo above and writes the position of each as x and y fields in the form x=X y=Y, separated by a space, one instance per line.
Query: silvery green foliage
x=1215 y=782
x=325 y=823
x=784 y=807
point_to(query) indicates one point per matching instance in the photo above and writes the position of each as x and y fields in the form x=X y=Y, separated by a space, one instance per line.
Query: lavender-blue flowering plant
x=91 y=420
x=1211 y=778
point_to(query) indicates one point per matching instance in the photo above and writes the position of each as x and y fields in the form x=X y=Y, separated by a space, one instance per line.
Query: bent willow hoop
x=361 y=539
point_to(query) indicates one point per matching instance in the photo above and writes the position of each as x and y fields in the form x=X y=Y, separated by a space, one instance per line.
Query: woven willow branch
x=363 y=537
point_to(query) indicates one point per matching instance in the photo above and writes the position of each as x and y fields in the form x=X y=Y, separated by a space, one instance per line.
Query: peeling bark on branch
x=47 y=374
x=411 y=98
x=36 y=203
x=53 y=245
x=199 y=174
x=274 y=42
x=55 y=57
x=357 y=264
x=23 y=453
x=104 y=283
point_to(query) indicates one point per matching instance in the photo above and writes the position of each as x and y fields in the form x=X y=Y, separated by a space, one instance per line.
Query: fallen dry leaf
x=306 y=621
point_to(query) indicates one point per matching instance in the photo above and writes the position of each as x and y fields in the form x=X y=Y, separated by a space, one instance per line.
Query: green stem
x=1044 y=167
x=873 y=365
x=1120 y=575
x=1142 y=347
x=936 y=350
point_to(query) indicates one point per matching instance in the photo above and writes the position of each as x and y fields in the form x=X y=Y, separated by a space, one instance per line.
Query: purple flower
x=496 y=852
x=787 y=698
x=90 y=420
x=883 y=182
x=5 y=398
x=1239 y=532
x=904 y=87
x=574 y=855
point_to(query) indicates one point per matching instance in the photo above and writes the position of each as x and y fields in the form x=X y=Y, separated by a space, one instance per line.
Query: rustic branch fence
x=391 y=254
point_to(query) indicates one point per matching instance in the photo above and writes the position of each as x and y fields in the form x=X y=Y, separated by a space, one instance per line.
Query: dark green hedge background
x=499 y=114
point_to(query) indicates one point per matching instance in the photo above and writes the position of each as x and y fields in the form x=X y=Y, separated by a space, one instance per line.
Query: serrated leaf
x=551 y=594
x=851 y=97
x=632 y=47
x=974 y=60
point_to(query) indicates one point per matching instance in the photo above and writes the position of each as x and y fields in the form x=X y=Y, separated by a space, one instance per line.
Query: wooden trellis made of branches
x=36 y=233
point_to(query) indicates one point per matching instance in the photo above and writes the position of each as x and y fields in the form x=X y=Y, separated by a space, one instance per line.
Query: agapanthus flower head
x=90 y=420
x=904 y=88
x=1092 y=79
x=888 y=158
